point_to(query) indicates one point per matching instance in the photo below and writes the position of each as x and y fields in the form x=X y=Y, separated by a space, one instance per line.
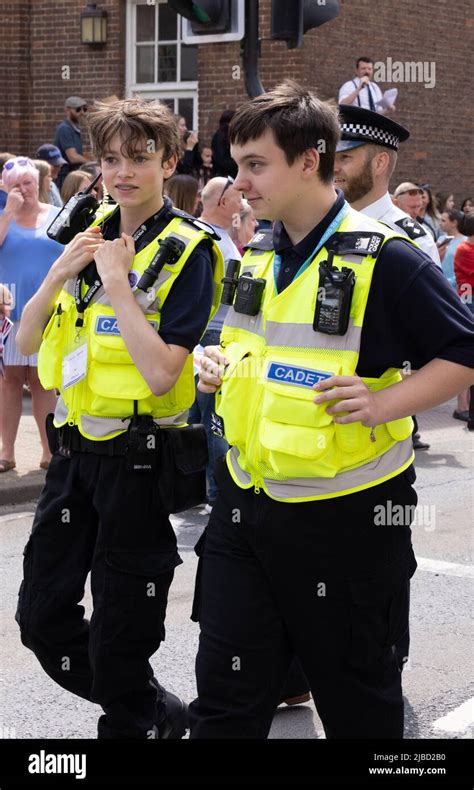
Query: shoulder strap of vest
x=199 y=224
x=102 y=214
x=411 y=227
x=263 y=240
x=356 y=243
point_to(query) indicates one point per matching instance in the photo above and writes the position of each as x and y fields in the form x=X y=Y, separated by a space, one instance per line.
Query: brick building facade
x=42 y=37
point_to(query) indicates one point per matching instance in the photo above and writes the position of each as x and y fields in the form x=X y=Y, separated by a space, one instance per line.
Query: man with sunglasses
x=68 y=137
x=408 y=199
x=222 y=205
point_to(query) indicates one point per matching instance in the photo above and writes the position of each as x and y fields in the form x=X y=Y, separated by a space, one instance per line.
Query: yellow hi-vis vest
x=98 y=404
x=281 y=440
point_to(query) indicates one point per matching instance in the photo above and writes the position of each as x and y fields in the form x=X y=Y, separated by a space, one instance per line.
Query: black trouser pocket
x=22 y=609
x=135 y=597
x=199 y=550
x=379 y=615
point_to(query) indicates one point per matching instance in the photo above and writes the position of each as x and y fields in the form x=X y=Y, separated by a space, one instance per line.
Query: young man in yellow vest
x=115 y=334
x=303 y=554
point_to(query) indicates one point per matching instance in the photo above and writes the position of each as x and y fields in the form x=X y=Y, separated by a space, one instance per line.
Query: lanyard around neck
x=82 y=302
x=342 y=213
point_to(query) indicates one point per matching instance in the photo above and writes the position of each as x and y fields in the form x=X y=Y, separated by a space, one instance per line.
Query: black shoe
x=176 y=722
x=419 y=445
x=470 y=425
x=461 y=415
x=295 y=699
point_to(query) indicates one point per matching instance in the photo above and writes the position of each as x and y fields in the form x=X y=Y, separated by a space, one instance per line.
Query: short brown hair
x=134 y=120
x=467 y=225
x=373 y=150
x=297 y=118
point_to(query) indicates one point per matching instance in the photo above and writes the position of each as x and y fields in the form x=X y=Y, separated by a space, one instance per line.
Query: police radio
x=230 y=282
x=75 y=216
x=169 y=251
x=334 y=298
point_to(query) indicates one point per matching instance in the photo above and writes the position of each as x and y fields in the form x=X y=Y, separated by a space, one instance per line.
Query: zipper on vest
x=59 y=312
x=252 y=454
x=74 y=412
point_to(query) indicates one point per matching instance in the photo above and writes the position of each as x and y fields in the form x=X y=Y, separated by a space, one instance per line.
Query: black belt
x=71 y=441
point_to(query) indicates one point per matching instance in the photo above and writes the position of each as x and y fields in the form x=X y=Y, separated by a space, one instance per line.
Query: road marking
x=458 y=720
x=15 y=516
x=446 y=568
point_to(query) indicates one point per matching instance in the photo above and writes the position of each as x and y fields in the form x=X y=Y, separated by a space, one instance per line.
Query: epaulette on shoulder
x=263 y=240
x=198 y=224
x=411 y=228
x=356 y=243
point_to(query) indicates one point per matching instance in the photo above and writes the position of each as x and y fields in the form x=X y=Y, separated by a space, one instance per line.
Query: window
x=159 y=65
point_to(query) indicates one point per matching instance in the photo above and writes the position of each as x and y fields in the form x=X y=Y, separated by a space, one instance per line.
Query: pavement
x=24 y=483
x=436 y=680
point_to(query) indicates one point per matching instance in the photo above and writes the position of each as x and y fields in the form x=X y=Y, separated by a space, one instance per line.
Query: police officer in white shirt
x=360 y=91
x=365 y=161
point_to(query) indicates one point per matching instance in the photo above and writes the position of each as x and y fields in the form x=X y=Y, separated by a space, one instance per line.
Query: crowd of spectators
x=33 y=190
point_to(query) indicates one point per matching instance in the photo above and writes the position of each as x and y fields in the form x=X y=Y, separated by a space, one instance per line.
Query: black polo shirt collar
x=282 y=242
x=294 y=255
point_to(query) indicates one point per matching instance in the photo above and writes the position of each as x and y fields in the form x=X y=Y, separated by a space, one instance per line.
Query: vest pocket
x=400 y=429
x=290 y=449
x=237 y=393
x=294 y=430
x=51 y=351
x=112 y=376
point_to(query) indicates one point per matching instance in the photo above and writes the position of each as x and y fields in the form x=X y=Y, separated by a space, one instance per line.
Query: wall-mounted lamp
x=93 y=25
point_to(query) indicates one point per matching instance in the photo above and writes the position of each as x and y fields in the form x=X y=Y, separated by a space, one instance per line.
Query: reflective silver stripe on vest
x=400 y=455
x=252 y=323
x=304 y=336
x=101 y=427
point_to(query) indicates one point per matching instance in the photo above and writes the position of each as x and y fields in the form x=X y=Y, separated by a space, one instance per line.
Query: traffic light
x=209 y=21
x=291 y=20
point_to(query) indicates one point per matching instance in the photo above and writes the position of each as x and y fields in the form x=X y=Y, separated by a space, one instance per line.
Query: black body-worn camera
x=76 y=216
x=249 y=294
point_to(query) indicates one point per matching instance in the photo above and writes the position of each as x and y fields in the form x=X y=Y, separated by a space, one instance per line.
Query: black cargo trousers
x=325 y=581
x=95 y=515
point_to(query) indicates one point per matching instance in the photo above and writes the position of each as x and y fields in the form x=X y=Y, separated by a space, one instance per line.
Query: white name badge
x=75 y=366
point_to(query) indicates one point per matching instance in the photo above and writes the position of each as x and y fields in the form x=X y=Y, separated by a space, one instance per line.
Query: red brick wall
x=15 y=76
x=41 y=36
x=439 y=150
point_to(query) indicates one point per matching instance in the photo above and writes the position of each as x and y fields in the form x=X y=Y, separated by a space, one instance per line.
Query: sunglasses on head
x=228 y=183
x=417 y=191
x=9 y=165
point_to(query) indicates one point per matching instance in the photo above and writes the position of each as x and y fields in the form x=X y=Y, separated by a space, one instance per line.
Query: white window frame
x=154 y=90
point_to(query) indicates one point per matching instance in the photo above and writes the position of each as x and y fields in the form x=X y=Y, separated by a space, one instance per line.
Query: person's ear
x=169 y=166
x=380 y=163
x=310 y=163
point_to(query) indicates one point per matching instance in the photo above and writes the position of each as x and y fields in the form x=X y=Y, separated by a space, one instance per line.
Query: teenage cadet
x=121 y=359
x=308 y=389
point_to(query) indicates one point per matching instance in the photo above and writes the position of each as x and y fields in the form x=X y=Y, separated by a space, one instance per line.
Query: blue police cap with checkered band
x=360 y=126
